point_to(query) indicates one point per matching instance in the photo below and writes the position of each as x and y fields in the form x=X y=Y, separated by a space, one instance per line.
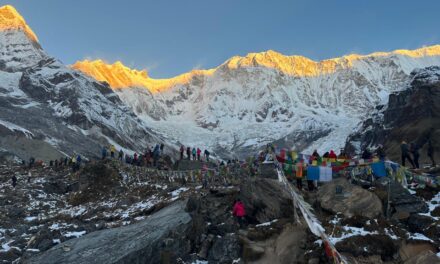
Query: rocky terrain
x=48 y=110
x=411 y=115
x=54 y=215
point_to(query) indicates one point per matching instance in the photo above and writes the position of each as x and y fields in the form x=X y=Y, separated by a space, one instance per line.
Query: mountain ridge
x=119 y=76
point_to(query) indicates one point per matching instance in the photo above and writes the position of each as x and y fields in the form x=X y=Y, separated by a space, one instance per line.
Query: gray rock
x=427 y=257
x=353 y=201
x=150 y=241
x=265 y=200
x=224 y=249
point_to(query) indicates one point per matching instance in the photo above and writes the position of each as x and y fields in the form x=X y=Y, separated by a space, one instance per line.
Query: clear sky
x=172 y=37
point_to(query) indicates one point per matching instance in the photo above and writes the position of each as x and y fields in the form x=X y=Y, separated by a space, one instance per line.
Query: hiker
x=430 y=152
x=65 y=161
x=188 y=153
x=104 y=153
x=182 y=149
x=414 y=149
x=31 y=162
x=332 y=155
x=161 y=148
x=51 y=163
x=77 y=164
x=315 y=154
x=366 y=155
x=380 y=152
x=156 y=154
x=194 y=153
x=299 y=175
x=207 y=155
x=199 y=151
x=405 y=154
x=14 y=181
x=239 y=212
x=120 y=155
x=112 y=151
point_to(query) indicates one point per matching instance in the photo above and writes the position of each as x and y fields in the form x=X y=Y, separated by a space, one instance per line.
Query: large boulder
x=367 y=245
x=402 y=200
x=225 y=249
x=160 y=238
x=426 y=257
x=265 y=200
x=353 y=201
x=409 y=250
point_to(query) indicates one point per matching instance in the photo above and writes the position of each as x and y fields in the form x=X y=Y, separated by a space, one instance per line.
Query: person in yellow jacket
x=112 y=151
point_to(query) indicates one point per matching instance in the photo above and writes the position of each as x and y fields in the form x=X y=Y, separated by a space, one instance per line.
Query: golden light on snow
x=10 y=19
x=118 y=76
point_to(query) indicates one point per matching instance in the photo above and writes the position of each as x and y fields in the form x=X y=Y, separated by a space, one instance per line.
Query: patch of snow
x=56 y=241
x=75 y=234
x=351 y=231
x=179 y=191
x=267 y=223
x=14 y=127
x=418 y=236
x=30 y=218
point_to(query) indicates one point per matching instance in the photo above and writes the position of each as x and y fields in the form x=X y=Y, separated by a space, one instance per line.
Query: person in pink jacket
x=199 y=151
x=239 y=212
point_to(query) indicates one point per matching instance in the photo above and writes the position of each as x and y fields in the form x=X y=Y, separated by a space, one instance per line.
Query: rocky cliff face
x=264 y=97
x=48 y=109
x=411 y=115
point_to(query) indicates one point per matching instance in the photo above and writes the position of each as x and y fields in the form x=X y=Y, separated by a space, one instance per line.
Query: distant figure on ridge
x=207 y=155
x=414 y=149
x=182 y=149
x=194 y=153
x=188 y=153
x=104 y=153
x=199 y=151
x=405 y=154
x=380 y=152
x=112 y=151
x=120 y=155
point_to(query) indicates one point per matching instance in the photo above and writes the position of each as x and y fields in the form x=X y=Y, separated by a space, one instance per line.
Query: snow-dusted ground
x=38 y=215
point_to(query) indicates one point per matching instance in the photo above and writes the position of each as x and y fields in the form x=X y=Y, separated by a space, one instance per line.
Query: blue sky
x=172 y=37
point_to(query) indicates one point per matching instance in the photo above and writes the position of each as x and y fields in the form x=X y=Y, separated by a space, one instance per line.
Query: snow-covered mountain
x=47 y=109
x=265 y=97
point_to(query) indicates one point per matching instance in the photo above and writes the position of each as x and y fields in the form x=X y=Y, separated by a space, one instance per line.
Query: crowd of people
x=193 y=153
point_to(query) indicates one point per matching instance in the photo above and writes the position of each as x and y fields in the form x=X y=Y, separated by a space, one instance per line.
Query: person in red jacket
x=199 y=151
x=239 y=212
x=332 y=155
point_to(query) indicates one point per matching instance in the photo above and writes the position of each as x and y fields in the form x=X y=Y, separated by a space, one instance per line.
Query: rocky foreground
x=109 y=212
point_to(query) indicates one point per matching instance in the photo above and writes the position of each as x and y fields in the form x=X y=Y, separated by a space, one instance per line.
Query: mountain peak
x=117 y=75
x=10 y=19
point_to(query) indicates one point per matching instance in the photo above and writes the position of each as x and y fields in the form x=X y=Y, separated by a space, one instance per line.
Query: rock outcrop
x=351 y=202
x=149 y=241
x=411 y=115
x=265 y=200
